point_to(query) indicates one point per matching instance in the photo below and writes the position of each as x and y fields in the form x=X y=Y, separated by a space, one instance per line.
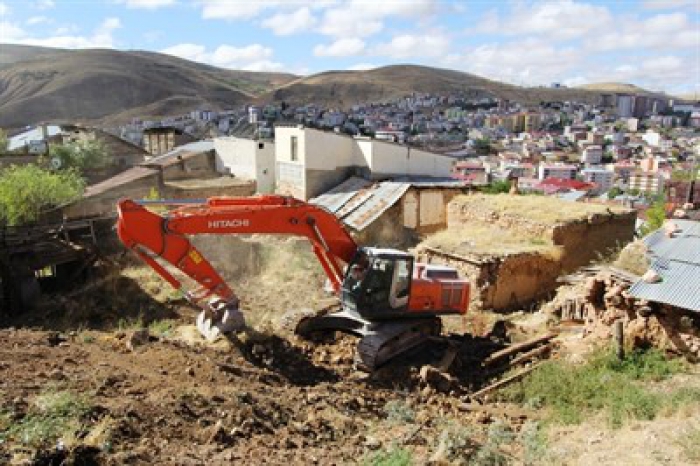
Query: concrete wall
x=247 y=159
x=328 y=158
x=187 y=166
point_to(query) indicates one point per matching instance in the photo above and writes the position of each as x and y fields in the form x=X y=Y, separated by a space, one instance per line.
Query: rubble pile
x=601 y=298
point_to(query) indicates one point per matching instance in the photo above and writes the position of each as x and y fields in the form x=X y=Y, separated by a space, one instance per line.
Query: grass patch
x=393 y=456
x=620 y=389
x=53 y=414
x=399 y=412
x=135 y=323
x=161 y=328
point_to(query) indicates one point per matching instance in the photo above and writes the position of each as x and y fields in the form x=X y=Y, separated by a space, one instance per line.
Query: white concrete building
x=309 y=161
x=604 y=179
x=247 y=159
x=652 y=138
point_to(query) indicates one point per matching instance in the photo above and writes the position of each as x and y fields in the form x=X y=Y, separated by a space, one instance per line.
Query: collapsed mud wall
x=502 y=283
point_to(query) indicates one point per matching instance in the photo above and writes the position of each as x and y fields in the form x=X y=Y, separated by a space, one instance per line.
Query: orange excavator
x=390 y=302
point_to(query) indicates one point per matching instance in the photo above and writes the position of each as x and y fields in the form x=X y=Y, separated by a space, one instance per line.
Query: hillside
x=39 y=84
x=345 y=88
x=111 y=86
x=616 y=87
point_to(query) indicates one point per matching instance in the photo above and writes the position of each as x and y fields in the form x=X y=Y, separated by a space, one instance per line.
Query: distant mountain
x=345 y=88
x=622 y=88
x=690 y=96
x=108 y=86
x=41 y=84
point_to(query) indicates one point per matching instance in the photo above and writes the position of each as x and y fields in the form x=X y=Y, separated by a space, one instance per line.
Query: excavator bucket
x=219 y=318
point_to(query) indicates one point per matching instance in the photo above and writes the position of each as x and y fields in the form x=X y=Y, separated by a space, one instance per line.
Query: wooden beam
x=517 y=348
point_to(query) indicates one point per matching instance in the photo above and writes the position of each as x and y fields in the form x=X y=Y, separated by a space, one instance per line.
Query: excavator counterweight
x=387 y=300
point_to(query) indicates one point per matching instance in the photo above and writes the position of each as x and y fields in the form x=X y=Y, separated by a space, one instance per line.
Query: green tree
x=81 y=155
x=27 y=191
x=497 y=187
x=483 y=145
x=614 y=192
x=656 y=214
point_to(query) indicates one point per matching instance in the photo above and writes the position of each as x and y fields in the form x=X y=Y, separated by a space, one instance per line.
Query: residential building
x=564 y=172
x=647 y=182
x=160 y=140
x=247 y=159
x=603 y=179
x=592 y=155
x=310 y=161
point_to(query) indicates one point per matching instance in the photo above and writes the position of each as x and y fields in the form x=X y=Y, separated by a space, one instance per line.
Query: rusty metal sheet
x=335 y=199
x=383 y=196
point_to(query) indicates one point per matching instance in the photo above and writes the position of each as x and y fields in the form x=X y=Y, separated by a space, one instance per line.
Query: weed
x=534 y=443
x=55 y=413
x=393 y=456
x=455 y=444
x=603 y=384
x=490 y=453
x=160 y=328
x=131 y=323
x=399 y=412
x=689 y=444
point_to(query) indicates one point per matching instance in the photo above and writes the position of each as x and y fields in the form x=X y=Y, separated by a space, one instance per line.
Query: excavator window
x=379 y=284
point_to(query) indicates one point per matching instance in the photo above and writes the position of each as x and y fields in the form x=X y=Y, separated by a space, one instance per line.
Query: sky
x=652 y=43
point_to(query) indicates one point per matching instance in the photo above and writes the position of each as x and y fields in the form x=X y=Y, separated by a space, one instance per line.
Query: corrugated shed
x=337 y=197
x=384 y=195
x=677 y=260
x=358 y=202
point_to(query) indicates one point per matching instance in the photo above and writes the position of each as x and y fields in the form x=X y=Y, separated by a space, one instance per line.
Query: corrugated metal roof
x=677 y=260
x=358 y=202
x=680 y=285
x=337 y=197
x=384 y=195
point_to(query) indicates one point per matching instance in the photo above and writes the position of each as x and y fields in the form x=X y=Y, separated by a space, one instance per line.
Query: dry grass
x=484 y=239
x=541 y=209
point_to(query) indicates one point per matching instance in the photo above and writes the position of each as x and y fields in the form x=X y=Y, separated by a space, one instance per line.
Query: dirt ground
x=263 y=397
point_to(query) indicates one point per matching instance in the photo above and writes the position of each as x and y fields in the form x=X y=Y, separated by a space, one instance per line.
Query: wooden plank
x=517 y=348
x=504 y=382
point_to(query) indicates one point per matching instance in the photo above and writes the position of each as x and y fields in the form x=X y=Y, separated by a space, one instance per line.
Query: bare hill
x=345 y=88
x=626 y=88
x=39 y=84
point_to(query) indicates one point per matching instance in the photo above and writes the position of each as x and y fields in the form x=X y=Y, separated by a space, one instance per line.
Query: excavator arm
x=151 y=235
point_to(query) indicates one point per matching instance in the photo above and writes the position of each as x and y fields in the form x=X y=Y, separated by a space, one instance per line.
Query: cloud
x=283 y=24
x=414 y=45
x=362 y=67
x=531 y=61
x=362 y=18
x=668 y=4
x=147 y=4
x=4 y=9
x=671 y=31
x=340 y=48
x=565 y=19
x=44 y=4
x=254 y=57
x=102 y=37
x=235 y=10
x=38 y=20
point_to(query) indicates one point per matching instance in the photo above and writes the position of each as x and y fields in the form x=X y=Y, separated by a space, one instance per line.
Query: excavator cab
x=377 y=283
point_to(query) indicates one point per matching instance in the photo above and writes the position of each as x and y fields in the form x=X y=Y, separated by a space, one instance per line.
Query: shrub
x=390 y=457
x=81 y=155
x=28 y=191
